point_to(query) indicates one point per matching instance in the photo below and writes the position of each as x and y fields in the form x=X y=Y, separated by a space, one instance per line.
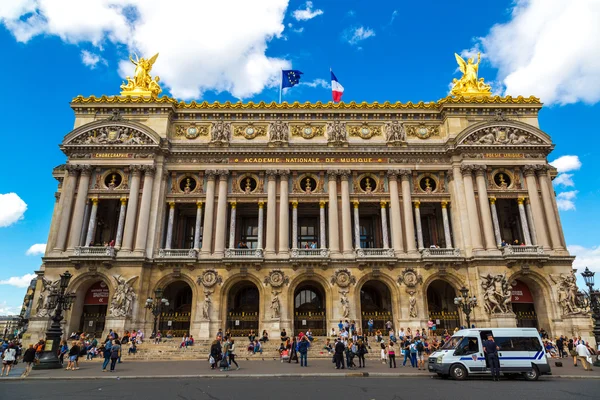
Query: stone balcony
x=309 y=253
x=95 y=252
x=178 y=253
x=374 y=253
x=244 y=253
x=440 y=253
x=522 y=250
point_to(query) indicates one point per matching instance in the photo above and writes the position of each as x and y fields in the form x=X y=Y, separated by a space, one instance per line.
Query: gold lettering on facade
x=308 y=160
x=112 y=155
x=504 y=155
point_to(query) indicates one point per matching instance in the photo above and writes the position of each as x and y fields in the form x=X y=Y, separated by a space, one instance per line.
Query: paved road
x=298 y=388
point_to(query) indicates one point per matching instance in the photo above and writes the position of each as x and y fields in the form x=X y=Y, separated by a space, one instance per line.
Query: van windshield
x=452 y=343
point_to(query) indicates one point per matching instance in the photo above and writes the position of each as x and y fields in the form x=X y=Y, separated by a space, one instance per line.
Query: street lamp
x=466 y=303
x=59 y=300
x=594 y=301
x=156 y=305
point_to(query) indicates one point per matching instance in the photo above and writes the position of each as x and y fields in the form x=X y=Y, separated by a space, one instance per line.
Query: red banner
x=97 y=294
x=521 y=293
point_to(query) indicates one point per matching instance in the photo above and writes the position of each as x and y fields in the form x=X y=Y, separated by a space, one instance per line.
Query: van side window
x=469 y=345
x=518 y=343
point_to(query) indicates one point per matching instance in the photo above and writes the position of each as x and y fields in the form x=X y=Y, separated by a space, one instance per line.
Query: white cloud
x=317 y=83
x=18 y=281
x=12 y=208
x=565 y=201
x=91 y=59
x=307 y=13
x=210 y=52
x=586 y=257
x=356 y=35
x=394 y=15
x=566 y=163
x=37 y=249
x=564 y=180
x=550 y=49
x=5 y=309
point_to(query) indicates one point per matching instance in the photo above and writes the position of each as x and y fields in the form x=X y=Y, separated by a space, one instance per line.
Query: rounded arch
x=297 y=281
x=242 y=305
x=536 y=132
x=394 y=297
x=179 y=322
x=80 y=286
x=309 y=302
x=439 y=293
x=145 y=130
x=543 y=296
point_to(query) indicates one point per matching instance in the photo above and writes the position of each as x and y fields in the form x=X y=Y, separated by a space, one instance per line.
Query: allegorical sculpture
x=469 y=84
x=336 y=132
x=123 y=298
x=394 y=133
x=206 y=305
x=220 y=132
x=567 y=293
x=345 y=303
x=278 y=132
x=412 y=305
x=497 y=294
x=276 y=305
x=142 y=83
x=43 y=303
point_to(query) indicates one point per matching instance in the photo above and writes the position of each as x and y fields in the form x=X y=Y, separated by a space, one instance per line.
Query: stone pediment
x=111 y=134
x=503 y=135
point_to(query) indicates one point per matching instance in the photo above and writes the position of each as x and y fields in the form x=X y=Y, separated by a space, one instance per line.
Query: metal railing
x=508 y=250
x=177 y=253
x=431 y=252
x=243 y=253
x=107 y=251
x=366 y=253
x=310 y=253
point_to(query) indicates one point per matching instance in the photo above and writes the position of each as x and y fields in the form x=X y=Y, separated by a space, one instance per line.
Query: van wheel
x=532 y=375
x=458 y=372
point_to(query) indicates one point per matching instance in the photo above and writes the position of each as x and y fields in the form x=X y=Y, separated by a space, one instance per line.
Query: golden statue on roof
x=469 y=84
x=142 y=83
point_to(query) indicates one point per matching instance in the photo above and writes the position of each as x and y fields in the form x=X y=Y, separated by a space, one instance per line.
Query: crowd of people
x=563 y=347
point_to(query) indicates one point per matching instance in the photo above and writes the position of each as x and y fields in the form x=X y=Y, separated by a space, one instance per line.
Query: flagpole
x=280 y=86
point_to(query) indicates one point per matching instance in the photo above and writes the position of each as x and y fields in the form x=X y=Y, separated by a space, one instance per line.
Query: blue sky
x=385 y=50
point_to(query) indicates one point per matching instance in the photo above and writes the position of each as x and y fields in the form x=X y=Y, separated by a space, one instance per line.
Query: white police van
x=521 y=352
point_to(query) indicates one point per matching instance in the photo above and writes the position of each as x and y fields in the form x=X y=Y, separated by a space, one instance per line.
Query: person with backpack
x=9 y=357
x=370 y=326
x=413 y=354
x=350 y=351
x=293 y=352
x=106 y=350
x=303 y=346
x=232 y=354
x=28 y=359
x=420 y=354
x=115 y=353
x=73 y=354
x=361 y=351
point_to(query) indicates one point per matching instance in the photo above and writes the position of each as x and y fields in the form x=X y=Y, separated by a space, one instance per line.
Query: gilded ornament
x=210 y=278
x=191 y=131
x=469 y=84
x=422 y=131
x=410 y=278
x=343 y=278
x=276 y=279
x=250 y=131
x=364 y=131
x=142 y=83
x=308 y=131
x=502 y=135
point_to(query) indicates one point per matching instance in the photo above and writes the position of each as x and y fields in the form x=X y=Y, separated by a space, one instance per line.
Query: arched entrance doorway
x=523 y=305
x=243 y=304
x=309 y=309
x=440 y=305
x=375 y=304
x=95 y=304
x=177 y=316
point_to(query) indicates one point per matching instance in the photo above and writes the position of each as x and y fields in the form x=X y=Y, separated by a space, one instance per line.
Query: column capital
x=520 y=201
x=86 y=170
x=294 y=203
x=529 y=170
x=284 y=173
x=233 y=204
x=149 y=170
x=383 y=203
x=492 y=200
x=356 y=203
x=94 y=201
x=332 y=174
x=72 y=169
x=541 y=169
x=417 y=203
x=344 y=174
x=199 y=204
x=322 y=203
x=480 y=169
x=393 y=173
x=444 y=204
x=223 y=174
x=261 y=204
x=123 y=200
x=171 y=204
x=450 y=175
x=271 y=174
x=467 y=169
x=210 y=173
x=135 y=169
x=405 y=173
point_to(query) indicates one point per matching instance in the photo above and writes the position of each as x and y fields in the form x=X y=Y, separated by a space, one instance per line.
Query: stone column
x=446 y=222
x=271 y=212
x=170 y=223
x=209 y=213
x=322 y=225
x=536 y=207
x=198 y=227
x=524 y=224
x=65 y=203
x=346 y=219
x=495 y=221
x=530 y=223
x=92 y=224
x=232 y=221
x=144 y=217
x=547 y=194
x=395 y=222
x=294 y=225
x=86 y=218
x=261 y=224
x=284 y=214
x=471 y=206
x=356 y=225
x=79 y=209
x=131 y=216
x=121 y=224
x=459 y=214
x=417 y=204
x=484 y=206
x=334 y=231
x=384 y=225
x=409 y=226
x=221 y=225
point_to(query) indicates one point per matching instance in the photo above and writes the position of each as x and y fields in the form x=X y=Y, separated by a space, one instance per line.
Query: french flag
x=337 y=90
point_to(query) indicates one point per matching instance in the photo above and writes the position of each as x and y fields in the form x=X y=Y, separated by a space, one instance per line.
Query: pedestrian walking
x=582 y=354
x=232 y=354
x=28 y=359
x=391 y=354
x=361 y=351
x=73 y=354
x=293 y=352
x=62 y=351
x=215 y=354
x=490 y=348
x=8 y=359
x=115 y=353
x=106 y=350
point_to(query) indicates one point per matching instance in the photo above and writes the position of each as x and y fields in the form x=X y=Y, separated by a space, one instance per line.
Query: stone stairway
x=170 y=350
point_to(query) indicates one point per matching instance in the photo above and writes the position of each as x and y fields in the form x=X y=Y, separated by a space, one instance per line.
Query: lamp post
x=59 y=300
x=594 y=301
x=466 y=303
x=155 y=306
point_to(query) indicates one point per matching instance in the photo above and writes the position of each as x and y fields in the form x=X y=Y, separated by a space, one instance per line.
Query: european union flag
x=290 y=77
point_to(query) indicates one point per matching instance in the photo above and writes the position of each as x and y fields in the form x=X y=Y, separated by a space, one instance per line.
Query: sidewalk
x=257 y=368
